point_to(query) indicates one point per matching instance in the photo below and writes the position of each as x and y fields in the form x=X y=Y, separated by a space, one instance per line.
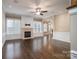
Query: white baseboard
x=62 y=36
x=74 y=52
x=62 y=40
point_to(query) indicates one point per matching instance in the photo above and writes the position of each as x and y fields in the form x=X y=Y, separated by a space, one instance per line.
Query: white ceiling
x=25 y=7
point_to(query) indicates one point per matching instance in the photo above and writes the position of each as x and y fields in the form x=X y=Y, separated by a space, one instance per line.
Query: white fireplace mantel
x=27 y=29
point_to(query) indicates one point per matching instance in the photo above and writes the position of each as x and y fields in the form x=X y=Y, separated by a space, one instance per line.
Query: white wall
x=62 y=23
x=62 y=27
x=62 y=36
x=29 y=20
x=13 y=36
x=73 y=34
x=26 y=20
x=73 y=29
x=3 y=28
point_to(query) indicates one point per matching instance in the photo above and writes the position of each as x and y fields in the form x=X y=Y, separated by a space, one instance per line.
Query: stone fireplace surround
x=27 y=29
x=33 y=35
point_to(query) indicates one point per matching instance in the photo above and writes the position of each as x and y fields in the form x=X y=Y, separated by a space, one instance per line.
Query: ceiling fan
x=39 y=11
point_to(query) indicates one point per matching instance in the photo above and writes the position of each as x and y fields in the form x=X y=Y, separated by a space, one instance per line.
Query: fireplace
x=27 y=34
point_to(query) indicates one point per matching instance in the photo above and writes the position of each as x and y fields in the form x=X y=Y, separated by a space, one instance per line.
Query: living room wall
x=30 y=20
x=62 y=27
x=62 y=23
x=3 y=28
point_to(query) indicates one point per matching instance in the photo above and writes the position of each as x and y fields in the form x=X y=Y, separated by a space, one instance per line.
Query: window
x=45 y=27
x=13 y=26
x=37 y=26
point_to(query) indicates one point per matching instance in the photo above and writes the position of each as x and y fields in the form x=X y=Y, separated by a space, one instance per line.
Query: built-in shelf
x=73 y=4
x=70 y=7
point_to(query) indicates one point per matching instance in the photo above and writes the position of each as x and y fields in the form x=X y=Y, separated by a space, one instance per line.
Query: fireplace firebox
x=27 y=34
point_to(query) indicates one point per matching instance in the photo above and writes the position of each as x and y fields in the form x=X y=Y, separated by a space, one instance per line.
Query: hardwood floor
x=37 y=48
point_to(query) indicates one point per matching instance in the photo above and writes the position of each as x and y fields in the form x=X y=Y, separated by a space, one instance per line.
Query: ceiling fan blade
x=44 y=11
x=41 y=14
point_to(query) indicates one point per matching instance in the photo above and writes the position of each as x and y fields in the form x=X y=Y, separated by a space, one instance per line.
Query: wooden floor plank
x=37 y=48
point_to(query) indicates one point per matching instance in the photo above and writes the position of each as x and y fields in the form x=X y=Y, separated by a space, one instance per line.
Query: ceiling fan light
x=37 y=13
x=38 y=9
